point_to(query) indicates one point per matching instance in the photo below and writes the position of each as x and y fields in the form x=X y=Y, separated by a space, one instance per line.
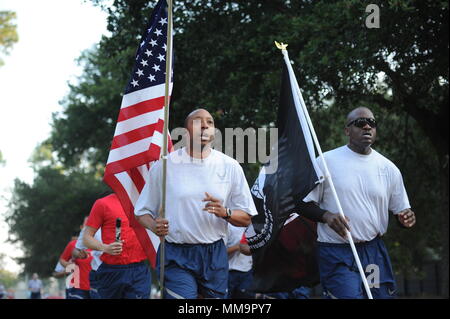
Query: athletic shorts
x=35 y=295
x=340 y=277
x=94 y=285
x=297 y=293
x=195 y=269
x=75 y=293
x=131 y=281
x=239 y=283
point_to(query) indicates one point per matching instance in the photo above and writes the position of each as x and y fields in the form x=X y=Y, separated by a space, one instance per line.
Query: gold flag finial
x=281 y=45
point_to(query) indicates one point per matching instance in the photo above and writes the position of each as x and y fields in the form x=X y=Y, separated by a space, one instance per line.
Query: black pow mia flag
x=284 y=253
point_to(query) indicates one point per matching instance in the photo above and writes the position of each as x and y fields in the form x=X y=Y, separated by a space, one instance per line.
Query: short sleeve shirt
x=96 y=261
x=103 y=215
x=67 y=253
x=368 y=187
x=35 y=285
x=188 y=179
x=237 y=260
x=84 y=268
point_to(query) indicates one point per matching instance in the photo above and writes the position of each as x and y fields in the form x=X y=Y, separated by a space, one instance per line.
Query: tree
x=43 y=216
x=7 y=278
x=8 y=32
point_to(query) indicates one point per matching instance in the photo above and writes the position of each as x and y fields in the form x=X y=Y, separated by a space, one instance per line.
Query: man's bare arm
x=115 y=248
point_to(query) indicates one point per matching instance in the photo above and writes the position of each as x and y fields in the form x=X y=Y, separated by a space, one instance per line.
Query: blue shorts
x=297 y=293
x=94 y=285
x=75 y=293
x=131 y=281
x=340 y=276
x=238 y=284
x=193 y=269
x=35 y=295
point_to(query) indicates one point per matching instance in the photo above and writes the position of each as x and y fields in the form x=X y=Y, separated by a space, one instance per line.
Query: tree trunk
x=444 y=269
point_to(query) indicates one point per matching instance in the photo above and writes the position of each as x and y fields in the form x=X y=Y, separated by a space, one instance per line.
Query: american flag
x=138 y=138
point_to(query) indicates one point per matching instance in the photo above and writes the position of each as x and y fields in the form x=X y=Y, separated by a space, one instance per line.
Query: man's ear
x=347 y=131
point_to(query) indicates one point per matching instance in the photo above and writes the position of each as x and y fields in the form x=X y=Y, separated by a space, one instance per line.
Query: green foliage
x=7 y=278
x=8 y=32
x=44 y=215
x=402 y=143
x=233 y=71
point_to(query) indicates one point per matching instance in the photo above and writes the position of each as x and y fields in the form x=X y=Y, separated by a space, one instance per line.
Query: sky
x=33 y=80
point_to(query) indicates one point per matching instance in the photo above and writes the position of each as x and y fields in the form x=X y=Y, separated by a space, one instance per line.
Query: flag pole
x=282 y=47
x=165 y=139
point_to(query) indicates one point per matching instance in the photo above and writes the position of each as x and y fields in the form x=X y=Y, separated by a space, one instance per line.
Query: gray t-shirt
x=187 y=181
x=237 y=260
x=96 y=261
x=368 y=186
x=35 y=285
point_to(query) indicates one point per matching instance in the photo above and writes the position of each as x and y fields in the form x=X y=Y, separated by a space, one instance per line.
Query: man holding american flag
x=206 y=190
x=138 y=140
x=138 y=137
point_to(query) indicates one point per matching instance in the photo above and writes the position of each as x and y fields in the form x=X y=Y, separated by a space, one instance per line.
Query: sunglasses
x=363 y=121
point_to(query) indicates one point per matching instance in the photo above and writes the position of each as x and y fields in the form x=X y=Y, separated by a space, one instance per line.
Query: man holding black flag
x=368 y=186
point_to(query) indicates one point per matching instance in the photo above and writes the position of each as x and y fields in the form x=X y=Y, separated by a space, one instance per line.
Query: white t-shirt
x=187 y=181
x=237 y=260
x=59 y=267
x=35 y=285
x=368 y=186
x=96 y=261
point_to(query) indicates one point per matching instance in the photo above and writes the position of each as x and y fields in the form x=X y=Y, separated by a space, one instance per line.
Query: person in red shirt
x=66 y=259
x=78 y=268
x=123 y=273
x=244 y=248
x=80 y=281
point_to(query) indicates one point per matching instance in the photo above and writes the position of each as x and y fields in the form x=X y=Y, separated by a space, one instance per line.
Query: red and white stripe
x=138 y=140
x=138 y=137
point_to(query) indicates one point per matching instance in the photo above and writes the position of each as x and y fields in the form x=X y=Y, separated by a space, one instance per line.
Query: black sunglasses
x=363 y=121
